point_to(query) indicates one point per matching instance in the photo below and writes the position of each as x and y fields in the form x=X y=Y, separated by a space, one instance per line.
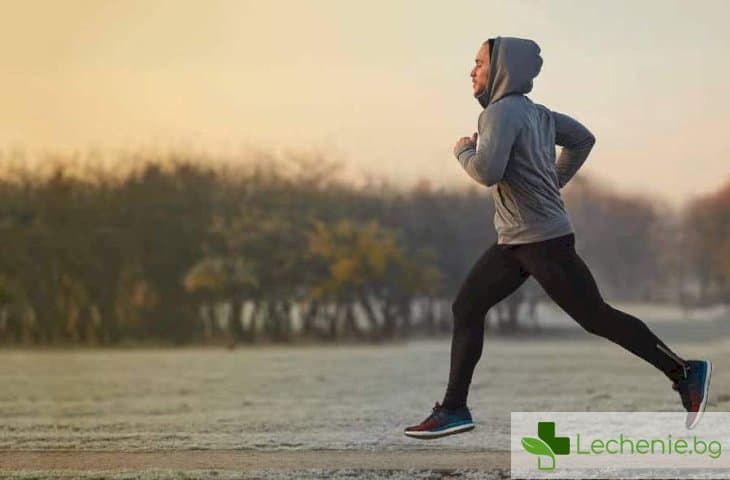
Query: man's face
x=480 y=72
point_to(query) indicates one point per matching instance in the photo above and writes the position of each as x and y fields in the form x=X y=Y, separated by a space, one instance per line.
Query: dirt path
x=251 y=460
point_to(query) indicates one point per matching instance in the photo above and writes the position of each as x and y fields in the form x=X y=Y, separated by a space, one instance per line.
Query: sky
x=381 y=85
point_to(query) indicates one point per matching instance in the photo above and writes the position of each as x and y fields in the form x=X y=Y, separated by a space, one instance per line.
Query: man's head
x=480 y=72
x=504 y=66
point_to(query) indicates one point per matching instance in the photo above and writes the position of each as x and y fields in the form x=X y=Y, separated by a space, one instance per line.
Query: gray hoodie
x=516 y=148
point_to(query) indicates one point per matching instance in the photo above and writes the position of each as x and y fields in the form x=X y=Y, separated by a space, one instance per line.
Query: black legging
x=564 y=276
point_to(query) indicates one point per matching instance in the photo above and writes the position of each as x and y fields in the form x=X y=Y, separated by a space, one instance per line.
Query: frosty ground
x=322 y=411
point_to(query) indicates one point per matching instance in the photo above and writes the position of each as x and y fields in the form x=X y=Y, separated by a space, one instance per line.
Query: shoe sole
x=425 y=435
x=704 y=397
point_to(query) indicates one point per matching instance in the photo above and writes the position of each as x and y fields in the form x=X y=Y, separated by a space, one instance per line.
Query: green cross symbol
x=547 y=444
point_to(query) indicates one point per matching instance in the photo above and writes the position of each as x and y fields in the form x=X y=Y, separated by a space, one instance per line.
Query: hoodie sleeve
x=498 y=130
x=577 y=142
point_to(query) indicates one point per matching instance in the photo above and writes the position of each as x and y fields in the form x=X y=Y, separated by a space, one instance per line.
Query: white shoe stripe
x=457 y=428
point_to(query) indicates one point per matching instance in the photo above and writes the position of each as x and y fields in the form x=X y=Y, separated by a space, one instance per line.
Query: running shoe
x=441 y=422
x=694 y=389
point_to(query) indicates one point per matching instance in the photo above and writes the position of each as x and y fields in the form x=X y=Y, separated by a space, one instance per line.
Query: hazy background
x=384 y=85
x=170 y=176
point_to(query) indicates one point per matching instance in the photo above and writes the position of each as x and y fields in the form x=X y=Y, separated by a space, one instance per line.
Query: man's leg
x=567 y=280
x=493 y=277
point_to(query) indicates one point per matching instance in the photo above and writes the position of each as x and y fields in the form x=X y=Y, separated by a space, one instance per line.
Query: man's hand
x=464 y=141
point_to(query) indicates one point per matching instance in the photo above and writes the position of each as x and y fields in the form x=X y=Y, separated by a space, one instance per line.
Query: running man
x=514 y=152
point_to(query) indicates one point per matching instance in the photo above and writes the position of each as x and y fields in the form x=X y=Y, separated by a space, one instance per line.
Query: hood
x=513 y=65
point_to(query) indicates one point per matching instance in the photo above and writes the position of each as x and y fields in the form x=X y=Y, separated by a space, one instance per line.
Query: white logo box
x=601 y=445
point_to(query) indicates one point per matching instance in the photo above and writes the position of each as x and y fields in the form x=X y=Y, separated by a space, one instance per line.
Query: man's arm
x=498 y=130
x=577 y=142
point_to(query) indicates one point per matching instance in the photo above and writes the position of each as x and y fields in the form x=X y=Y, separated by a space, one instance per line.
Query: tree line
x=181 y=249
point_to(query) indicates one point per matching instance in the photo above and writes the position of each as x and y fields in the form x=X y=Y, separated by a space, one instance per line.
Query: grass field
x=320 y=412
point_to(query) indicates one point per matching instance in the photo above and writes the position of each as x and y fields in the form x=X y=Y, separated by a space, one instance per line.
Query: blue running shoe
x=441 y=422
x=694 y=389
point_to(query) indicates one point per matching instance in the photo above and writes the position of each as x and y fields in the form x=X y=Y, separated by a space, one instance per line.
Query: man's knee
x=464 y=311
x=594 y=320
x=459 y=309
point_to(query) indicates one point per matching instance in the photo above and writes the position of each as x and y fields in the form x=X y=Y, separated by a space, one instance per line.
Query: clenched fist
x=464 y=141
